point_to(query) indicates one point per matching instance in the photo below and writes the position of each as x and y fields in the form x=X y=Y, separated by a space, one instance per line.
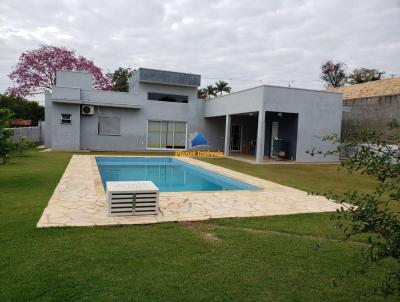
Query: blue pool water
x=168 y=174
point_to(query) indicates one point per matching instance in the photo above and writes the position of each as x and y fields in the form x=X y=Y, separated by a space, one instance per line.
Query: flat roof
x=157 y=76
x=274 y=86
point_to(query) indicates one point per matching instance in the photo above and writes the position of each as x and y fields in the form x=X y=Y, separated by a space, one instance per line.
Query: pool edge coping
x=245 y=180
x=67 y=201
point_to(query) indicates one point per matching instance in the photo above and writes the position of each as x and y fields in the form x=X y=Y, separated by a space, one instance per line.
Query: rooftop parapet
x=168 y=77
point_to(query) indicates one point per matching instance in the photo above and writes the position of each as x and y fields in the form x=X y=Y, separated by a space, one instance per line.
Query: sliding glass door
x=153 y=134
x=166 y=135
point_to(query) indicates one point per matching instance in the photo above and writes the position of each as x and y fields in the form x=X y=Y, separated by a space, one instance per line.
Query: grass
x=282 y=258
x=311 y=177
x=316 y=178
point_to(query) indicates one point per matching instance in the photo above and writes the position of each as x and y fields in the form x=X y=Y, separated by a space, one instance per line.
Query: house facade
x=161 y=111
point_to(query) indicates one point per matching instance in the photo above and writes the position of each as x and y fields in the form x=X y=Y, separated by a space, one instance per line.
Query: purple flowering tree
x=333 y=74
x=35 y=71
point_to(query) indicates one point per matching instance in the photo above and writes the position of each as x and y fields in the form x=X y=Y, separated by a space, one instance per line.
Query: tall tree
x=119 y=78
x=222 y=86
x=363 y=75
x=207 y=93
x=333 y=74
x=36 y=69
x=22 y=108
x=211 y=91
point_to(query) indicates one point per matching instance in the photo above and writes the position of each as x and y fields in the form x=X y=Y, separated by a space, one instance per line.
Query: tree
x=202 y=93
x=222 y=86
x=210 y=91
x=6 y=144
x=333 y=74
x=119 y=79
x=35 y=71
x=206 y=93
x=22 y=108
x=377 y=155
x=363 y=75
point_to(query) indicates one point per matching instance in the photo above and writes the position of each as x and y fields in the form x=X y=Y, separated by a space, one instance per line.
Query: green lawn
x=286 y=258
x=311 y=178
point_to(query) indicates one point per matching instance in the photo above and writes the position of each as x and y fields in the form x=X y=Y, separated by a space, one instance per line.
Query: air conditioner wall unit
x=87 y=110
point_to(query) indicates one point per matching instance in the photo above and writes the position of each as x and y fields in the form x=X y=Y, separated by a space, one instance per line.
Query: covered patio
x=276 y=123
x=260 y=136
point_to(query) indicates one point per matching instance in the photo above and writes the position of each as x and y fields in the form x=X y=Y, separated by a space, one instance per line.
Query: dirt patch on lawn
x=203 y=228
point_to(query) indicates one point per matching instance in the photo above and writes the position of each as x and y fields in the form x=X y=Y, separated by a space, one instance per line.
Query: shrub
x=6 y=143
x=22 y=145
x=376 y=154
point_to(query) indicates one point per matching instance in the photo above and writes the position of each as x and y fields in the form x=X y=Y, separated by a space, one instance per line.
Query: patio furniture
x=246 y=148
x=279 y=148
x=132 y=198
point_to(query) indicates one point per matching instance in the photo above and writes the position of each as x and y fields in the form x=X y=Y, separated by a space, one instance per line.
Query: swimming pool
x=168 y=174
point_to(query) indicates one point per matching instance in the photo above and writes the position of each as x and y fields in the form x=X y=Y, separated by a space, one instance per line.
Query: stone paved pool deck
x=79 y=199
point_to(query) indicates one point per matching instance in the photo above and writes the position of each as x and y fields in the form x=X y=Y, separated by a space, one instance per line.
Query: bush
x=22 y=145
x=376 y=154
x=6 y=143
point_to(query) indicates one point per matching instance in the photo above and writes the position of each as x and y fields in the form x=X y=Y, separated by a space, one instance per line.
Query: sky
x=246 y=43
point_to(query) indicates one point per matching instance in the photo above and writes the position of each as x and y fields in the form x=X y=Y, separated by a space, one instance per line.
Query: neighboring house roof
x=370 y=89
x=20 y=122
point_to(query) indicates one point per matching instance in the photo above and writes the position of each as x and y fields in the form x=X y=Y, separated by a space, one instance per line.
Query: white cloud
x=245 y=42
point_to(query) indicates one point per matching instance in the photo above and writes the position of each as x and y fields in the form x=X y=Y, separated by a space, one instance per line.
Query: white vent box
x=132 y=198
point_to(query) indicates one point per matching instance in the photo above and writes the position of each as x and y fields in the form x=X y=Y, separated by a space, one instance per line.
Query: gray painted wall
x=134 y=124
x=249 y=100
x=145 y=88
x=214 y=130
x=168 y=77
x=320 y=113
x=64 y=137
x=371 y=113
x=48 y=112
x=74 y=79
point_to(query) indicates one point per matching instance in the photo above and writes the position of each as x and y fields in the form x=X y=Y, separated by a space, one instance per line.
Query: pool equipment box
x=132 y=198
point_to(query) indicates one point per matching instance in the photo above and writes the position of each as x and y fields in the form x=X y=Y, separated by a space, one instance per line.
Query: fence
x=34 y=134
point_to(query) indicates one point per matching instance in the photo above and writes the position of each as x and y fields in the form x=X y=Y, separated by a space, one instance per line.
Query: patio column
x=227 y=134
x=260 y=137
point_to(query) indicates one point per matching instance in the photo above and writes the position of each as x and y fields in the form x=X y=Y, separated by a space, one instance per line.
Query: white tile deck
x=79 y=199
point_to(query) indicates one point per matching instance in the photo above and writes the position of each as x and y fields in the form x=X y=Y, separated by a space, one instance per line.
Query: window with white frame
x=109 y=125
x=166 y=135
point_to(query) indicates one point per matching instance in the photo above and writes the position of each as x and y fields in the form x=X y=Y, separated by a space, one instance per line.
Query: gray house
x=161 y=111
